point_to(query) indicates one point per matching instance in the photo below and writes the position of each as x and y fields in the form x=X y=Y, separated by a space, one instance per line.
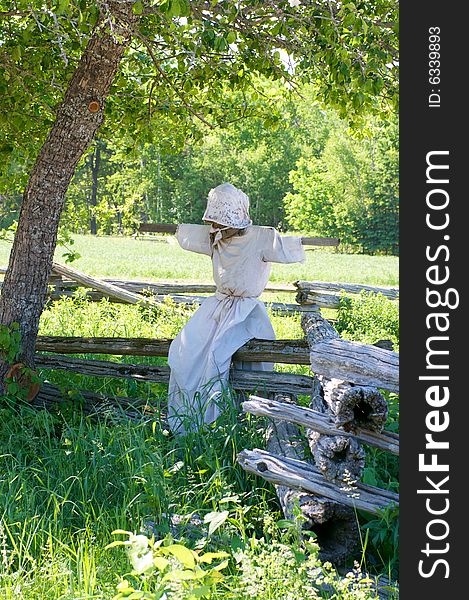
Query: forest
x=305 y=170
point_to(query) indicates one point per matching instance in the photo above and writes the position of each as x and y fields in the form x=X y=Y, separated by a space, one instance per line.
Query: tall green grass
x=67 y=482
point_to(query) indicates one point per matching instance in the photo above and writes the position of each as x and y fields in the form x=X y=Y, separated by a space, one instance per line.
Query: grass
x=163 y=259
x=67 y=481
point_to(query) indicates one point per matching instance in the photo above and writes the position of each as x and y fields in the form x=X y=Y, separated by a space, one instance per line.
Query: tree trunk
x=352 y=406
x=78 y=118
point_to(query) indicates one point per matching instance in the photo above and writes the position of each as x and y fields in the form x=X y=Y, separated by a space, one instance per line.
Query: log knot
x=340 y=459
x=353 y=407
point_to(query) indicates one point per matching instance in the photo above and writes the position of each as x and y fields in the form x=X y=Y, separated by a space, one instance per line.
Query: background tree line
x=302 y=166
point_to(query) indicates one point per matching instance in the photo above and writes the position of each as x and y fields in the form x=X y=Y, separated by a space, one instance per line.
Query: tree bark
x=78 y=118
x=352 y=406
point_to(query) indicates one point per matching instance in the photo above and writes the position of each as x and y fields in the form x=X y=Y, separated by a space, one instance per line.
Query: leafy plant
x=163 y=567
x=10 y=339
x=368 y=318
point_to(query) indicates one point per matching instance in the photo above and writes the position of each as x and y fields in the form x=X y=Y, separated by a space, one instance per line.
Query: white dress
x=200 y=355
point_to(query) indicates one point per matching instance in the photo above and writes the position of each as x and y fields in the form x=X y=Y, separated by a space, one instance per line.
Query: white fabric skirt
x=200 y=356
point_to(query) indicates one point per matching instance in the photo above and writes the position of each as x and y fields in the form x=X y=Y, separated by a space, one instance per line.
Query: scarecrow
x=242 y=253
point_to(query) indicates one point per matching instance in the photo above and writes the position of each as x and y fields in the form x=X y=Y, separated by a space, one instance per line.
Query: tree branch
x=160 y=70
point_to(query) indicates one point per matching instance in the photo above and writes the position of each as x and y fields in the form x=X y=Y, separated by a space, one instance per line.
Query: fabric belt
x=223 y=296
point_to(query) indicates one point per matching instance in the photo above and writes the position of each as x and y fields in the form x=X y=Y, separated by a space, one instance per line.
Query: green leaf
x=285 y=524
x=231 y=37
x=121 y=532
x=137 y=8
x=160 y=563
x=201 y=591
x=16 y=53
x=13 y=388
x=118 y=543
x=174 y=9
x=221 y=566
x=183 y=554
x=215 y=520
x=208 y=557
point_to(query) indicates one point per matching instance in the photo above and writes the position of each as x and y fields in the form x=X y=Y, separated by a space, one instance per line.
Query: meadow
x=67 y=480
x=162 y=259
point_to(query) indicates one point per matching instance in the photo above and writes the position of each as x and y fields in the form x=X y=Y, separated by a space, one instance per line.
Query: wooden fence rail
x=348 y=288
x=353 y=362
x=298 y=474
x=170 y=228
x=310 y=295
x=361 y=362
x=293 y=352
x=306 y=417
x=279 y=308
x=268 y=381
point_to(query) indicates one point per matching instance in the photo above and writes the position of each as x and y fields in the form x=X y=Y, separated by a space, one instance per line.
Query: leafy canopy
x=182 y=57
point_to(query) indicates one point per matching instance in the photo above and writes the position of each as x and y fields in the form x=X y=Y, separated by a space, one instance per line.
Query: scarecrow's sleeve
x=280 y=249
x=195 y=238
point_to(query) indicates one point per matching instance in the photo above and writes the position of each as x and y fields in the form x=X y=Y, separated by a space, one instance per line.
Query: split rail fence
x=346 y=409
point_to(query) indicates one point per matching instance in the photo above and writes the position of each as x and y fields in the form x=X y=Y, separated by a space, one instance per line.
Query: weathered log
x=360 y=364
x=317 y=422
x=298 y=474
x=385 y=344
x=155 y=287
x=351 y=406
x=338 y=458
x=317 y=241
x=349 y=288
x=292 y=351
x=317 y=299
x=161 y=288
x=91 y=403
x=157 y=227
x=103 y=368
x=98 y=284
x=170 y=228
x=334 y=524
x=129 y=297
x=270 y=381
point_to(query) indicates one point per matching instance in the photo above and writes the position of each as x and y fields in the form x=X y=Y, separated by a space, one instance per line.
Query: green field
x=163 y=259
